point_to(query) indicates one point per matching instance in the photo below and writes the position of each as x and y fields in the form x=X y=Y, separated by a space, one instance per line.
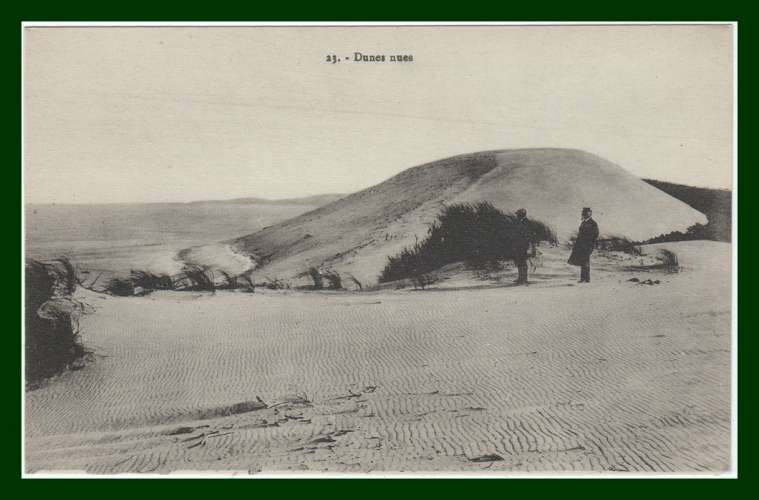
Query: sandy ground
x=556 y=376
x=219 y=256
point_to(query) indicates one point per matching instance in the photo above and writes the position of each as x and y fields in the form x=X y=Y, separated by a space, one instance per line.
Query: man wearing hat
x=523 y=243
x=584 y=245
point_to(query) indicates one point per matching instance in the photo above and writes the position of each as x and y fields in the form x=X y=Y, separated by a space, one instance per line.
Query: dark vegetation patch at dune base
x=478 y=234
x=694 y=232
x=52 y=341
x=716 y=204
x=193 y=278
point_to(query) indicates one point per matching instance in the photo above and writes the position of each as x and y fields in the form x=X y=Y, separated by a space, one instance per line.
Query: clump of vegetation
x=151 y=281
x=716 y=204
x=478 y=234
x=192 y=278
x=230 y=281
x=422 y=281
x=334 y=281
x=139 y=282
x=324 y=279
x=668 y=259
x=316 y=276
x=618 y=244
x=245 y=282
x=355 y=281
x=51 y=329
x=694 y=232
x=237 y=282
x=199 y=278
x=65 y=274
x=275 y=284
x=122 y=287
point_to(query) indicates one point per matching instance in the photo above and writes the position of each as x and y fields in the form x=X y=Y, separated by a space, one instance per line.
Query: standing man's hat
x=586 y=210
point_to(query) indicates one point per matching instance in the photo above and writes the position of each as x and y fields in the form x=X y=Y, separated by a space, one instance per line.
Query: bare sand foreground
x=611 y=376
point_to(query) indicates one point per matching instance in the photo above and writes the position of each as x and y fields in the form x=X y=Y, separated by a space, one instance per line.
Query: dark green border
x=387 y=11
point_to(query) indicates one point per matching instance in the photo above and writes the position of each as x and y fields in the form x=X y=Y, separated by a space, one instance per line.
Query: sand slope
x=355 y=234
x=614 y=376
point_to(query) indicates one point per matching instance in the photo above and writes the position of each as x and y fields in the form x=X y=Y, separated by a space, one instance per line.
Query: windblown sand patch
x=611 y=376
x=218 y=257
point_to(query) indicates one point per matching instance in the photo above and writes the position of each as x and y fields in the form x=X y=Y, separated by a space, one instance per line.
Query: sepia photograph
x=379 y=250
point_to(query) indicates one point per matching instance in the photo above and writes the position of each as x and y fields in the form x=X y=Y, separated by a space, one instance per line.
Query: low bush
x=121 y=287
x=478 y=234
x=334 y=281
x=618 y=244
x=150 y=281
x=192 y=278
x=694 y=232
x=422 y=281
x=668 y=258
x=716 y=204
x=316 y=276
x=275 y=284
x=66 y=275
x=245 y=282
x=51 y=340
x=230 y=281
x=198 y=278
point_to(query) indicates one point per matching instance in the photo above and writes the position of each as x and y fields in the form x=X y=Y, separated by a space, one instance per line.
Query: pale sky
x=181 y=114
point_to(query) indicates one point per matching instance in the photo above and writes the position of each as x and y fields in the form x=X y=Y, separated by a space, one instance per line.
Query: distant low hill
x=716 y=204
x=355 y=234
x=315 y=200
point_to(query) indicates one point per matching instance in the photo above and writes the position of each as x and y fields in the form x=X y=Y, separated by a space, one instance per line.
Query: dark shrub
x=237 y=282
x=198 y=278
x=694 y=232
x=618 y=244
x=66 y=275
x=316 y=276
x=122 y=287
x=477 y=234
x=39 y=284
x=192 y=278
x=245 y=282
x=146 y=281
x=422 y=281
x=151 y=281
x=230 y=281
x=51 y=336
x=668 y=258
x=275 y=284
x=334 y=281
x=716 y=204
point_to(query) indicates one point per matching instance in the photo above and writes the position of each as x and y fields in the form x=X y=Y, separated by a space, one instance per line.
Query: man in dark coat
x=523 y=243
x=584 y=245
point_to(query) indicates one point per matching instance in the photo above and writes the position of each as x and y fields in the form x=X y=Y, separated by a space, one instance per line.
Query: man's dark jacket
x=523 y=238
x=586 y=242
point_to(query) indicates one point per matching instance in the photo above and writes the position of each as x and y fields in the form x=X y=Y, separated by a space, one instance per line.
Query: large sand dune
x=613 y=376
x=356 y=234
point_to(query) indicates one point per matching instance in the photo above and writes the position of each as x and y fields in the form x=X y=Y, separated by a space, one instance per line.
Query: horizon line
x=279 y=200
